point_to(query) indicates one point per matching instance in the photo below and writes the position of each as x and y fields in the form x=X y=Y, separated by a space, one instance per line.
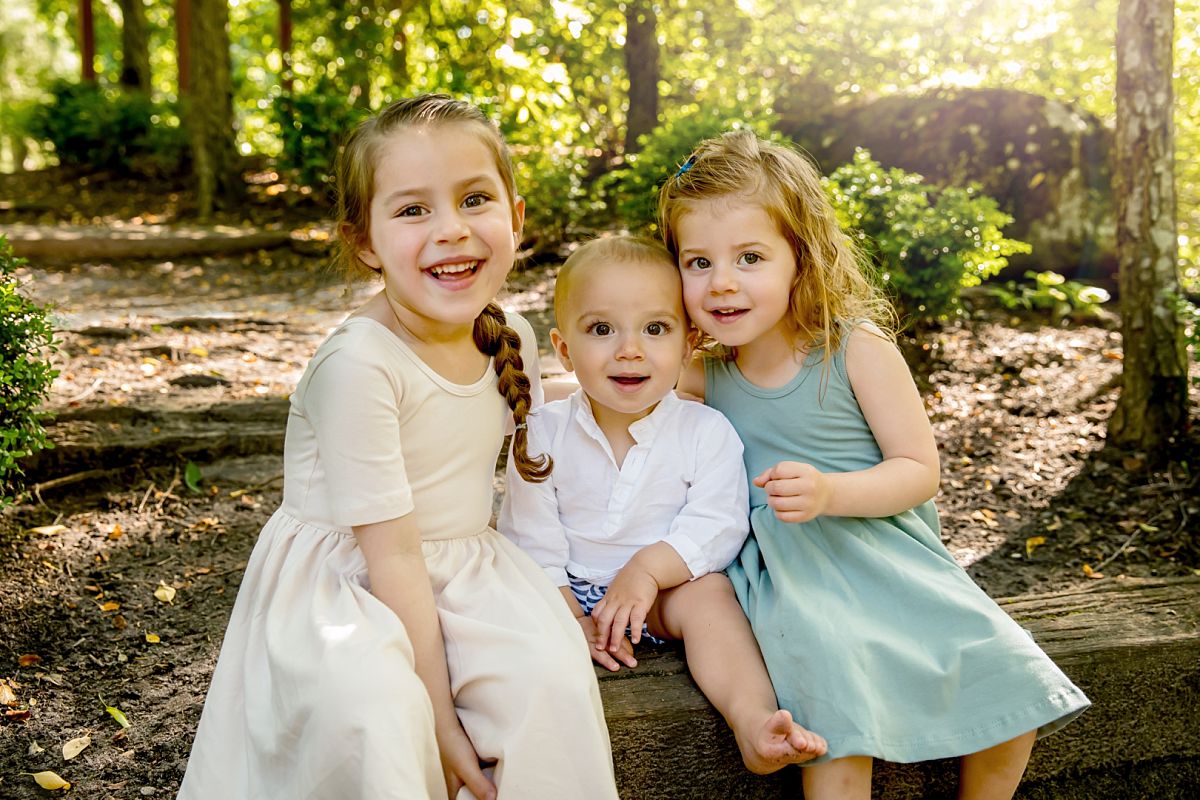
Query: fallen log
x=1132 y=644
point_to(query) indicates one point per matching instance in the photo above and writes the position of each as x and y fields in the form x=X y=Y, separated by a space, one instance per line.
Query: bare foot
x=779 y=742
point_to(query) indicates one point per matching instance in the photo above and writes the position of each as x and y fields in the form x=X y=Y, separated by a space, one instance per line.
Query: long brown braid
x=356 y=184
x=495 y=338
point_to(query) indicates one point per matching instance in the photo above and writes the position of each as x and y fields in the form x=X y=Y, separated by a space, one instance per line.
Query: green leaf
x=192 y=477
x=115 y=713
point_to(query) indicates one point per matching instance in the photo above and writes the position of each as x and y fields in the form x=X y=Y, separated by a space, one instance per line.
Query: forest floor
x=118 y=576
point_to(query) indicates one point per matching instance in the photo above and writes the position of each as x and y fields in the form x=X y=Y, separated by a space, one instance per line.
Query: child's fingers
x=624 y=653
x=478 y=783
x=602 y=658
x=616 y=631
x=601 y=617
x=760 y=480
x=637 y=619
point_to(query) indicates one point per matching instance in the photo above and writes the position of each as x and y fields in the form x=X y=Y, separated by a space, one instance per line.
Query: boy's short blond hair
x=621 y=249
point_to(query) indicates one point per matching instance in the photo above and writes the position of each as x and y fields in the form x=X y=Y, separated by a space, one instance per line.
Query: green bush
x=1050 y=293
x=631 y=192
x=26 y=338
x=558 y=203
x=108 y=129
x=312 y=123
x=927 y=242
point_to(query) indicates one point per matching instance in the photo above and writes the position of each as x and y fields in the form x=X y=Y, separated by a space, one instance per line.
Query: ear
x=560 y=349
x=691 y=343
x=518 y=220
x=362 y=246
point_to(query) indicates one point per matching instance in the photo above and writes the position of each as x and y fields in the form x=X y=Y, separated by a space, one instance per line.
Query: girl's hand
x=625 y=605
x=601 y=656
x=460 y=764
x=797 y=492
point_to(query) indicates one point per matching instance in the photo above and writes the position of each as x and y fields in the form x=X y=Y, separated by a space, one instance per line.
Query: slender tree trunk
x=285 y=44
x=208 y=107
x=87 y=40
x=1152 y=409
x=641 y=64
x=183 y=48
x=135 y=46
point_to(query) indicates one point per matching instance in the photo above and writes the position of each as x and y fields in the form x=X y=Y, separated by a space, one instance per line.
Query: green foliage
x=26 y=337
x=927 y=243
x=557 y=201
x=1050 y=293
x=312 y=123
x=632 y=190
x=108 y=129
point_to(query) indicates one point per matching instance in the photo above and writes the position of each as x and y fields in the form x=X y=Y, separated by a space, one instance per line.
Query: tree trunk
x=208 y=107
x=641 y=64
x=285 y=45
x=1152 y=409
x=183 y=50
x=87 y=41
x=135 y=46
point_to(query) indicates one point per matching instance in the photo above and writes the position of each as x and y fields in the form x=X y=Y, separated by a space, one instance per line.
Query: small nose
x=630 y=347
x=452 y=227
x=723 y=279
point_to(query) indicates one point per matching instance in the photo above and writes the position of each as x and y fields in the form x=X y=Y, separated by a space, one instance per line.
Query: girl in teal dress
x=873 y=636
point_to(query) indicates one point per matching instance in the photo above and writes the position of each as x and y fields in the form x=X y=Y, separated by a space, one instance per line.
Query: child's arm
x=529 y=513
x=633 y=591
x=704 y=536
x=909 y=473
x=396 y=569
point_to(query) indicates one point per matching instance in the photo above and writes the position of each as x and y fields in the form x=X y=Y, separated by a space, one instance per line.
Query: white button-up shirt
x=683 y=482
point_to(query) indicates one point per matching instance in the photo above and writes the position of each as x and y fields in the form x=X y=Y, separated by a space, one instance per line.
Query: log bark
x=1152 y=410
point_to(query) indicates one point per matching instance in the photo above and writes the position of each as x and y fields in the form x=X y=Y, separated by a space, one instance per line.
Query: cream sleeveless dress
x=315 y=694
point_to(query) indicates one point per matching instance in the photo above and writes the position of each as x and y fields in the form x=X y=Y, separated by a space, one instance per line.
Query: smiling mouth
x=453 y=272
x=728 y=314
x=629 y=381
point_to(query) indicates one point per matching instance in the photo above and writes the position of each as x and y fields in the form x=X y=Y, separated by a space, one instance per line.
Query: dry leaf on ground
x=75 y=747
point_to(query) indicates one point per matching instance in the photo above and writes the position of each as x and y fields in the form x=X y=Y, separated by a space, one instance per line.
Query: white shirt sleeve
x=352 y=403
x=709 y=530
x=529 y=513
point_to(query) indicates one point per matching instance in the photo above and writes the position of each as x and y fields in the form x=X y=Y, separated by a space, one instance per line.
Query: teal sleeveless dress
x=873 y=636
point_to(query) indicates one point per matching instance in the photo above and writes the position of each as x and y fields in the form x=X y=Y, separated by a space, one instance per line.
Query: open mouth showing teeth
x=727 y=313
x=454 y=271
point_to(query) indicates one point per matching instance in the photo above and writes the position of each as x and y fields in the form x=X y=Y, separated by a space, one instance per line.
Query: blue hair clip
x=691 y=162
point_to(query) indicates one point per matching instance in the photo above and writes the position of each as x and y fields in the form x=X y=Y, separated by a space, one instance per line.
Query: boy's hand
x=625 y=605
x=601 y=656
x=797 y=492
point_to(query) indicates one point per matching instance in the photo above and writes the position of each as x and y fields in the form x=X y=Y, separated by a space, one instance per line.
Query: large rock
x=1046 y=163
x=1132 y=645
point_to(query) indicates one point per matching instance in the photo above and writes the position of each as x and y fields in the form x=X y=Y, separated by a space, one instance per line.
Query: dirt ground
x=118 y=577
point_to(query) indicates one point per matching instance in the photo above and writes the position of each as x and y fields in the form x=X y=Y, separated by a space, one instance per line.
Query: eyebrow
x=474 y=180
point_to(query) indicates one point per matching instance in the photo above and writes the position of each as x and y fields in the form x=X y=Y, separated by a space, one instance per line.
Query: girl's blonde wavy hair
x=831 y=290
x=355 y=188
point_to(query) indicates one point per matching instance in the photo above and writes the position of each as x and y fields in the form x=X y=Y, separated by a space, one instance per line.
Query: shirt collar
x=643 y=431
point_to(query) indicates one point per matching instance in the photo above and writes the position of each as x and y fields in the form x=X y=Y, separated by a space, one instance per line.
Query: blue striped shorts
x=588 y=594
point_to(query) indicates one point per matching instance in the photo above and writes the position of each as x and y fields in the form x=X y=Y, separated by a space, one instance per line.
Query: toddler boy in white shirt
x=647 y=502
